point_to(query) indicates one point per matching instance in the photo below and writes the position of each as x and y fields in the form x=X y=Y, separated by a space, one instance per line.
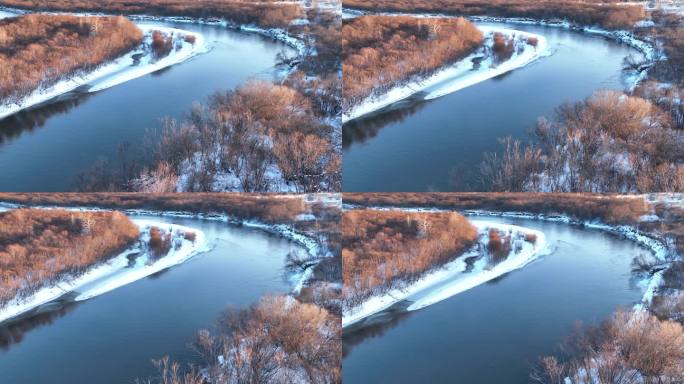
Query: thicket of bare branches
x=39 y=247
x=629 y=348
x=382 y=250
x=669 y=31
x=38 y=50
x=609 y=14
x=269 y=13
x=380 y=52
x=667 y=97
x=278 y=340
x=245 y=133
x=610 y=142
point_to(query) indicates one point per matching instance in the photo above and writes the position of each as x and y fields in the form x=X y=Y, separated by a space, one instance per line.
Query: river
x=112 y=338
x=438 y=145
x=44 y=149
x=495 y=332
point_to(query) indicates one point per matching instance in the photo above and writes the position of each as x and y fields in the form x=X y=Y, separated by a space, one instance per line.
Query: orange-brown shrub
x=502 y=47
x=610 y=14
x=190 y=39
x=38 y=50
x=269 y=13
x=160 y=242
x=190 y=236
x=39 y=247
x=380 y=52
x=161 y=44
x=499 y=246
x=382 y=250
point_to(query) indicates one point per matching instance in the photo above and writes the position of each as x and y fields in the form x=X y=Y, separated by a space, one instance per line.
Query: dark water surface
x=439 y=144
x=494 y=333
x=44 y=149
x=113 y=337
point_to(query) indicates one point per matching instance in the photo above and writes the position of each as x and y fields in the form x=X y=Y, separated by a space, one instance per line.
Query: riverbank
x=647 y=47
x=473 y=69
x=457 y=276
x=131 y=265
x=663 y=251
x=315 y=247
x=137 y=63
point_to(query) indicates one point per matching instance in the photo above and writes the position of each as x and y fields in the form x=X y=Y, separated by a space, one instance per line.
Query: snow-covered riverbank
x=314 y=247
x=137 y=63
x=452 y=79
x=455 y=277
x=662 y=251
x=475 y=68
x=131 y=265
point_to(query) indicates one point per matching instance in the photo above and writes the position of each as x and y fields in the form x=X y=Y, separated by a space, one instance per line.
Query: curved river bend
x=439 y=144
x=113 y=337
x=494 y=333
x=44 y=149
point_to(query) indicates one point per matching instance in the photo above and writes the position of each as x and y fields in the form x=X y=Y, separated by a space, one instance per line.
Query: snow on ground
x=226 y=181
x=117 y=271
x=483 y=272
x=453 y=278
x=460 y=75
x=5 y=14
x=118 y=71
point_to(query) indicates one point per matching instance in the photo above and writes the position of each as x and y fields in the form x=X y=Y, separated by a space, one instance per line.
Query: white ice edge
x=113 y=273
x=457 y=76
x=115 y=72
x=451 y=280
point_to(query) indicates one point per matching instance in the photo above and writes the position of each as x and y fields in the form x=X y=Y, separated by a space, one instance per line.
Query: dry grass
x=39 y=50
x=612 y=209
x=609 y=14
x=385 y=249
x=39 y=247
x=380 y=52
x=269 y=208
x=262 y=12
